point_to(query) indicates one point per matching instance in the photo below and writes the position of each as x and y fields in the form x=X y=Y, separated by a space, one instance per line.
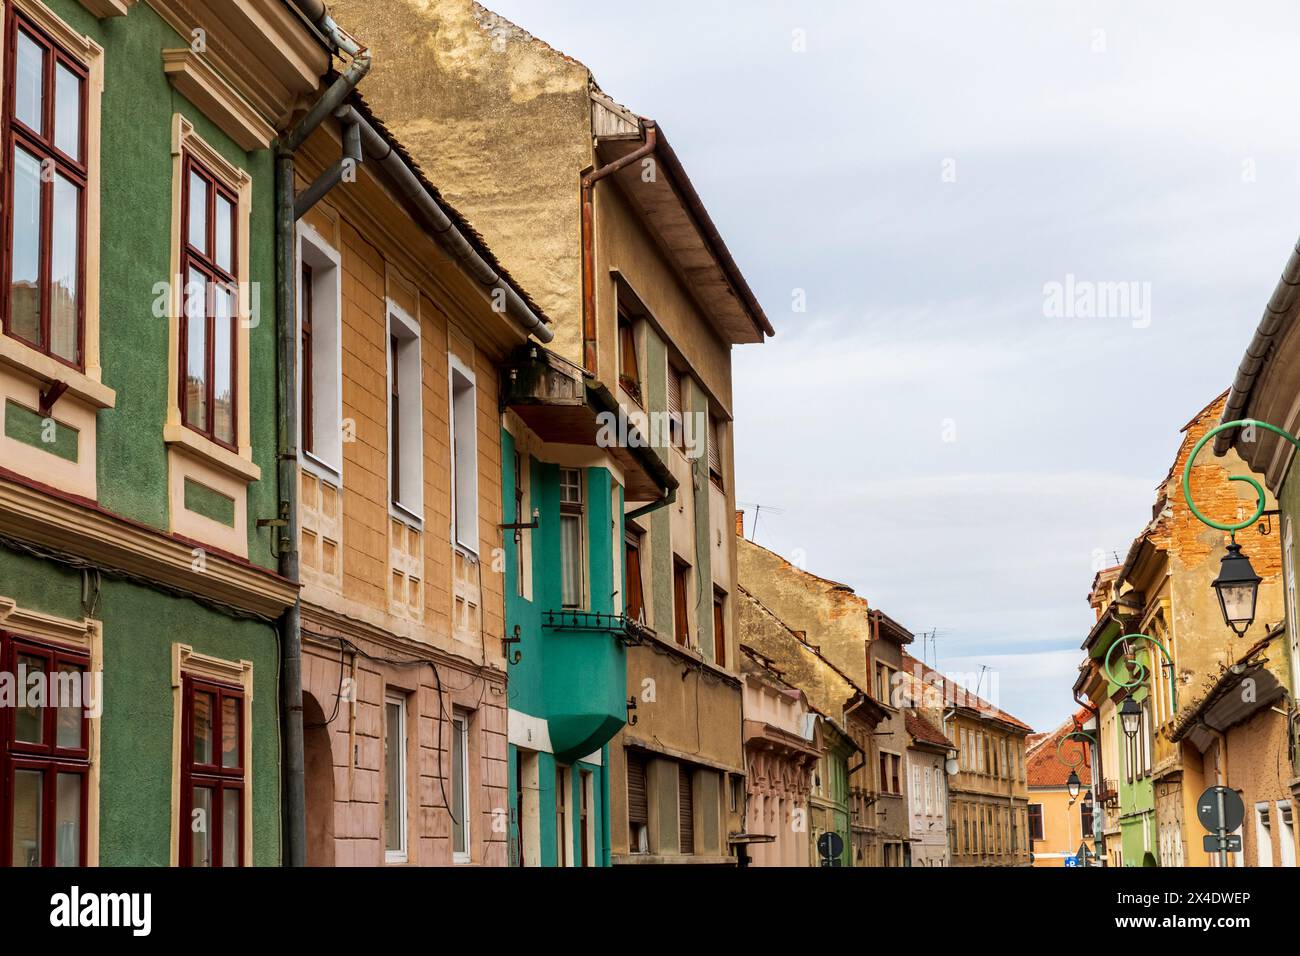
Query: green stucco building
x=138 y=432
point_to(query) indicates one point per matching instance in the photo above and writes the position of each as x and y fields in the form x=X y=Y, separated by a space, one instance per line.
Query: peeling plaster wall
x=501 y=123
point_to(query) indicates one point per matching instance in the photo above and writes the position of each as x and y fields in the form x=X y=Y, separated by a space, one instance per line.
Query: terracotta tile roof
x=1043 y=766
x=954 y=692
x=922 y=731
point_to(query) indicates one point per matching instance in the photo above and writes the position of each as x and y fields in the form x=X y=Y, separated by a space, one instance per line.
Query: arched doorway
x=318 y=764
x=1148 y=859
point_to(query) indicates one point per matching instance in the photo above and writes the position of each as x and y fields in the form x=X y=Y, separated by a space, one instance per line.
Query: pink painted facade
x=779 y=760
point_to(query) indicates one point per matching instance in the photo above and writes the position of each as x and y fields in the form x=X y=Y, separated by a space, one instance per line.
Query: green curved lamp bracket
x=1137 y=672
x=1074 y=735
x=1259 y=490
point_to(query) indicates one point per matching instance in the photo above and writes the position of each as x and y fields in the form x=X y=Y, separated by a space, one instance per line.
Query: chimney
x=740 y=522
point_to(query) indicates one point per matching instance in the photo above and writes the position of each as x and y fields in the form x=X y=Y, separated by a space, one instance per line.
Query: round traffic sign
x=830 y=845
x=1207 y=809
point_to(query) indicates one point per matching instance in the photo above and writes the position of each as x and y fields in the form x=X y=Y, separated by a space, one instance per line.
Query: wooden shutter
x=686 y=808
x=638 y=806
x=629 y=373
x=719 y=630
x=681 y=621
x=635 y=594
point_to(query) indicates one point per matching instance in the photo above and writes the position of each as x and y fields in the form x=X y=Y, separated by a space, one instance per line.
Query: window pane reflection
x=28 y=788
x=196 y=351
x=67 y=111
x=65 y=255
x=230 y=801
x=201 y=827
x=24 y=272
x=223 y=393
x=198 y=212
x=67 y=820
x=29 y=95
x=203 y=728
x=29 y=724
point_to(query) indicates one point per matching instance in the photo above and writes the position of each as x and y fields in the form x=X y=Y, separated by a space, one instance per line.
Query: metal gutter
x=1278 y=316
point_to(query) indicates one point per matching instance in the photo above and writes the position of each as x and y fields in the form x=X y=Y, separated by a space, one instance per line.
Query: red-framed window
x=45 y=762
x=44 y=272
x=210 y=314
x=213 y=767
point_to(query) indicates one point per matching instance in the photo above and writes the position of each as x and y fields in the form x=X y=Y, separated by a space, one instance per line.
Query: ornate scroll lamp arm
x=1138 y=671
x=1074 y=735
x=1259 y=490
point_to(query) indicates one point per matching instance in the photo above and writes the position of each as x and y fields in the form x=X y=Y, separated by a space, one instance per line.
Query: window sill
x=27 y=360
x=212 y=453
x=321 y=468
x=405 y=515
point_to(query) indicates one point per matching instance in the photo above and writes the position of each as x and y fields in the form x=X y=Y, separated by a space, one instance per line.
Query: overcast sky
x=933 y=432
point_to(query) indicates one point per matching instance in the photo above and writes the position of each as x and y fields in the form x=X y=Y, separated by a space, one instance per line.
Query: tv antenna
x=758 y=510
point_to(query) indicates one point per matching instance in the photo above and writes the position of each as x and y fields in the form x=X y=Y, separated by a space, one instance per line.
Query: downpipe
x=286 y=299
x=589 y=180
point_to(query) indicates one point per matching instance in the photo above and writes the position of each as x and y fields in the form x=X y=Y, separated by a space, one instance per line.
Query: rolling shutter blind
x=686 y=808
x=675 y=405
x=638 y=807
x=715 y=450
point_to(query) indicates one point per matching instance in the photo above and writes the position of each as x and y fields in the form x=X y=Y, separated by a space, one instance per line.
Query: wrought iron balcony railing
x=626 y=629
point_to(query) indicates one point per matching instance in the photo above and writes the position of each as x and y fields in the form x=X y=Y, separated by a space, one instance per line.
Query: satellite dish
x=951 y=766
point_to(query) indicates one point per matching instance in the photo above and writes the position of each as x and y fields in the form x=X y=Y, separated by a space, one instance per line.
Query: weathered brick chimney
x=740 y=522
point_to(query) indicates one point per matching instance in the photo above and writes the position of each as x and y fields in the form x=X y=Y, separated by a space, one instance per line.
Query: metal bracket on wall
x=631 y=717
x=279 y=542
x=506 y=642
x=50 y=396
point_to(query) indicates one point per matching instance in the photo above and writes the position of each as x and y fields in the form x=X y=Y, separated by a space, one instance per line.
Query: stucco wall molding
x=31 y=514
x=108 y=8
x=196 y=80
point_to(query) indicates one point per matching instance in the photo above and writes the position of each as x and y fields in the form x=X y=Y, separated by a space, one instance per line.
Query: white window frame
x=406 y=328
x=460 y=729
x=1286 y=833
x=399 y=855
x=464 y=471
x=582 y=582
x=326 y=459
x=1263 y=834
x=564 y=840
x=587 y=784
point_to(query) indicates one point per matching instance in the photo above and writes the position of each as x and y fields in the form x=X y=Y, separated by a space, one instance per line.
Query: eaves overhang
x=1267 y=384
x=675 y=214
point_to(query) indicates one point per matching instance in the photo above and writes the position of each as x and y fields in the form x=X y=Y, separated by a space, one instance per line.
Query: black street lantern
x=1237 y=586
x=1130 y=714
x=1072 y=784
